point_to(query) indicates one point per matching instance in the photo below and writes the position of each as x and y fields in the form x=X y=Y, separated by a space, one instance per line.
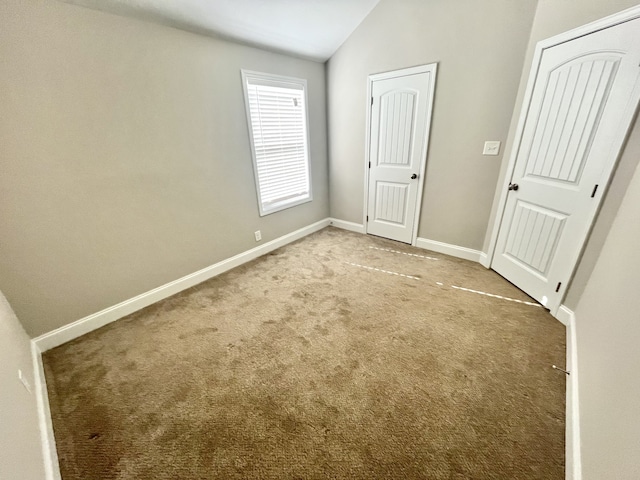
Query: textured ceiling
x=311 y=29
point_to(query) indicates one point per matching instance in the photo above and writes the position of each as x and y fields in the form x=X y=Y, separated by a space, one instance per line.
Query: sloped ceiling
x=312 y=29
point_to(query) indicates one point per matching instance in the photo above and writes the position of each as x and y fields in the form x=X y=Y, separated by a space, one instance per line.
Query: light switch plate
x=491 y=147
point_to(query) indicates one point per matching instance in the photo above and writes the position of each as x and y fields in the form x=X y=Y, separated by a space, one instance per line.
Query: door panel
x=572 y=105
x=582 y=103
x=397 y=117
x=399 y=123
x=391 y=203
x=533 y=237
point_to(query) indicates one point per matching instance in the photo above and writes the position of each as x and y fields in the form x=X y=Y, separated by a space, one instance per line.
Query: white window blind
x=277 y=117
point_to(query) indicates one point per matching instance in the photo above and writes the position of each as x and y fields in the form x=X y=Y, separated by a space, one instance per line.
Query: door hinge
x=558 y=287
x=369 y=164
x=367 y=218
x=595 y=189
x=371 y=100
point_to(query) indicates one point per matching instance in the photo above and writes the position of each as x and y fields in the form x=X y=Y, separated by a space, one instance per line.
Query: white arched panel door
x=582 y=102
x=399 y=123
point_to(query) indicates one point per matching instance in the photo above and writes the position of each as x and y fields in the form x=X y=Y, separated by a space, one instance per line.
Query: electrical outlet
x=258 y=235
x=24 y=381
x=491 y=148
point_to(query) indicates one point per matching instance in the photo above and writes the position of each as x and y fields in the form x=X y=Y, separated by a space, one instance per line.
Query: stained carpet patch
x=301 y=366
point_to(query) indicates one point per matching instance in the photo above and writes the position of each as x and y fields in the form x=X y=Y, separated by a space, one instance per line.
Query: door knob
x=513 y=186
x=414 y=176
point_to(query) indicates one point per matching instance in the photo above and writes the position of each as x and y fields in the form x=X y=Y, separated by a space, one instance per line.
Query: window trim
x=286 y=82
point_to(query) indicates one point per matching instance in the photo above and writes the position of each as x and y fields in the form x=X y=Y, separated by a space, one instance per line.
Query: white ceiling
x=311 y=29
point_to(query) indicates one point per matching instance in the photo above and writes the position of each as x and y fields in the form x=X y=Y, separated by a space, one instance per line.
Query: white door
x=399 y=122
x=579 y=112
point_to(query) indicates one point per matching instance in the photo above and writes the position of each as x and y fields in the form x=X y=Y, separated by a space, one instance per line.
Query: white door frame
x=610 y=21
x=432 y=67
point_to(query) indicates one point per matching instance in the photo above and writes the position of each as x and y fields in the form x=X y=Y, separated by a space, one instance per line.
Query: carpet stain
x=299 y=366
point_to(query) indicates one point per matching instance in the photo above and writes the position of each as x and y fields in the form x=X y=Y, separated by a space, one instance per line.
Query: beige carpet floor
x=341 y=356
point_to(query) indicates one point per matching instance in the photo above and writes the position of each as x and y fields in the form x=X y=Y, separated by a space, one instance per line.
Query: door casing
x=607 y=22
x=432 y=67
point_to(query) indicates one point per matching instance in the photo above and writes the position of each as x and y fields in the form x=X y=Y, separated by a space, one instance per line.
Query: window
x=277 y=117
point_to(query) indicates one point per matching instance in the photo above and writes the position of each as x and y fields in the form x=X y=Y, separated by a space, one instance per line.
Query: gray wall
x=479 y=47
x=608 y=329
x=125 y=157
x=20 y=448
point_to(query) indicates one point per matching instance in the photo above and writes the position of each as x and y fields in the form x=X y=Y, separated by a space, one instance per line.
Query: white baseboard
x=564 y=316
x=448 y=249
x=49 y=453
x=484 y=260
x=351 y=226
x=92 y=322
x=573 y=464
